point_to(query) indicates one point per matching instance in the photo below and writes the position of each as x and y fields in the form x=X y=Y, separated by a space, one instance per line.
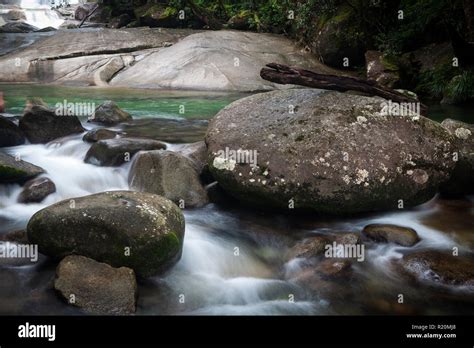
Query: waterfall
x=39 y=13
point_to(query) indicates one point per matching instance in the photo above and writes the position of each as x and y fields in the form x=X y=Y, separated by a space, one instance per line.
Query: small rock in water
x=391 y=234
x=170 y=175
x=34 y=191
x=13 y=170
x=437 y=267
x=96 y=287
x=10 y=133
x=94 y=135
x=138 y=230
x=309 y=247
x=108 y=113
x=115 y=152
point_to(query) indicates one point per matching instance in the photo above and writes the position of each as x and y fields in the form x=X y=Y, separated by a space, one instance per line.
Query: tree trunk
x=283 y=74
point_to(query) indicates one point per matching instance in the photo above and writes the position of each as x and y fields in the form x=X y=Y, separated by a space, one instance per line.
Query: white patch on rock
x=362 y=175
x=223 y=163
x=462 y=133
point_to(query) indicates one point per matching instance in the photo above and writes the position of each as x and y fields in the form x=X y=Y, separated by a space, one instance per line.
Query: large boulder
x=439 y=268
x=115 y=152
x=10 y=133
x=461 y=181
x=217 y=60
x=391 y=233
x=35 y=190
x=337 y=40
x=138 y=230
x=41 y=125
x=108 y=113
x=13 y=170
x=96 y=287
x=328 y=152
x=170 y=175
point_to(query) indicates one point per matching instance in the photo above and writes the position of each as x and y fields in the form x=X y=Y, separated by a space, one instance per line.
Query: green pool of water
x=139 y=103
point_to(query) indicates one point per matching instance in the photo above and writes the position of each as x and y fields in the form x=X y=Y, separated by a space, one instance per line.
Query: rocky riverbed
x=187 y=244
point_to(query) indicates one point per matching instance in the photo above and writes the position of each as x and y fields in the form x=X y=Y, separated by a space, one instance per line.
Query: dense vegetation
x=395 y=28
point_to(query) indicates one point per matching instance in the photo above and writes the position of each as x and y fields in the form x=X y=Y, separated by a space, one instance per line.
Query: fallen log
x=283 y=74
x=91 y=12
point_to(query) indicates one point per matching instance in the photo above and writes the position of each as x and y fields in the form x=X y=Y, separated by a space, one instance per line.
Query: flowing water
x=233 y=258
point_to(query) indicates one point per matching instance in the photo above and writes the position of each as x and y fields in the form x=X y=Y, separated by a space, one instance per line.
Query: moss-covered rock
x=337 y=39
x=138 y=230
x=329 y=152
x=14 y=170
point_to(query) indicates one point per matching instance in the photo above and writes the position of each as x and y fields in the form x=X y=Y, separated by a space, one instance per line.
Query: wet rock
x=19 y=237
x=391 y=234
x=96 y=287
x=10 y=133
x=138 y=230
x=329 y=153
x=461 y=182
x=94 y=135
x=41 y=125
x=108 y=113
x=197 y=152
x=17 y=171
x=439 y=268
x=347 y=238
x=17 y=27
x=34 y=191
x=380 y=70
x=333 y=268
x=309 y=247
x=170 y=175
x=115 y=152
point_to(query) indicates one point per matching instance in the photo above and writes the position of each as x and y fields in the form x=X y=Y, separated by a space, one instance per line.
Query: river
x=233 y=259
